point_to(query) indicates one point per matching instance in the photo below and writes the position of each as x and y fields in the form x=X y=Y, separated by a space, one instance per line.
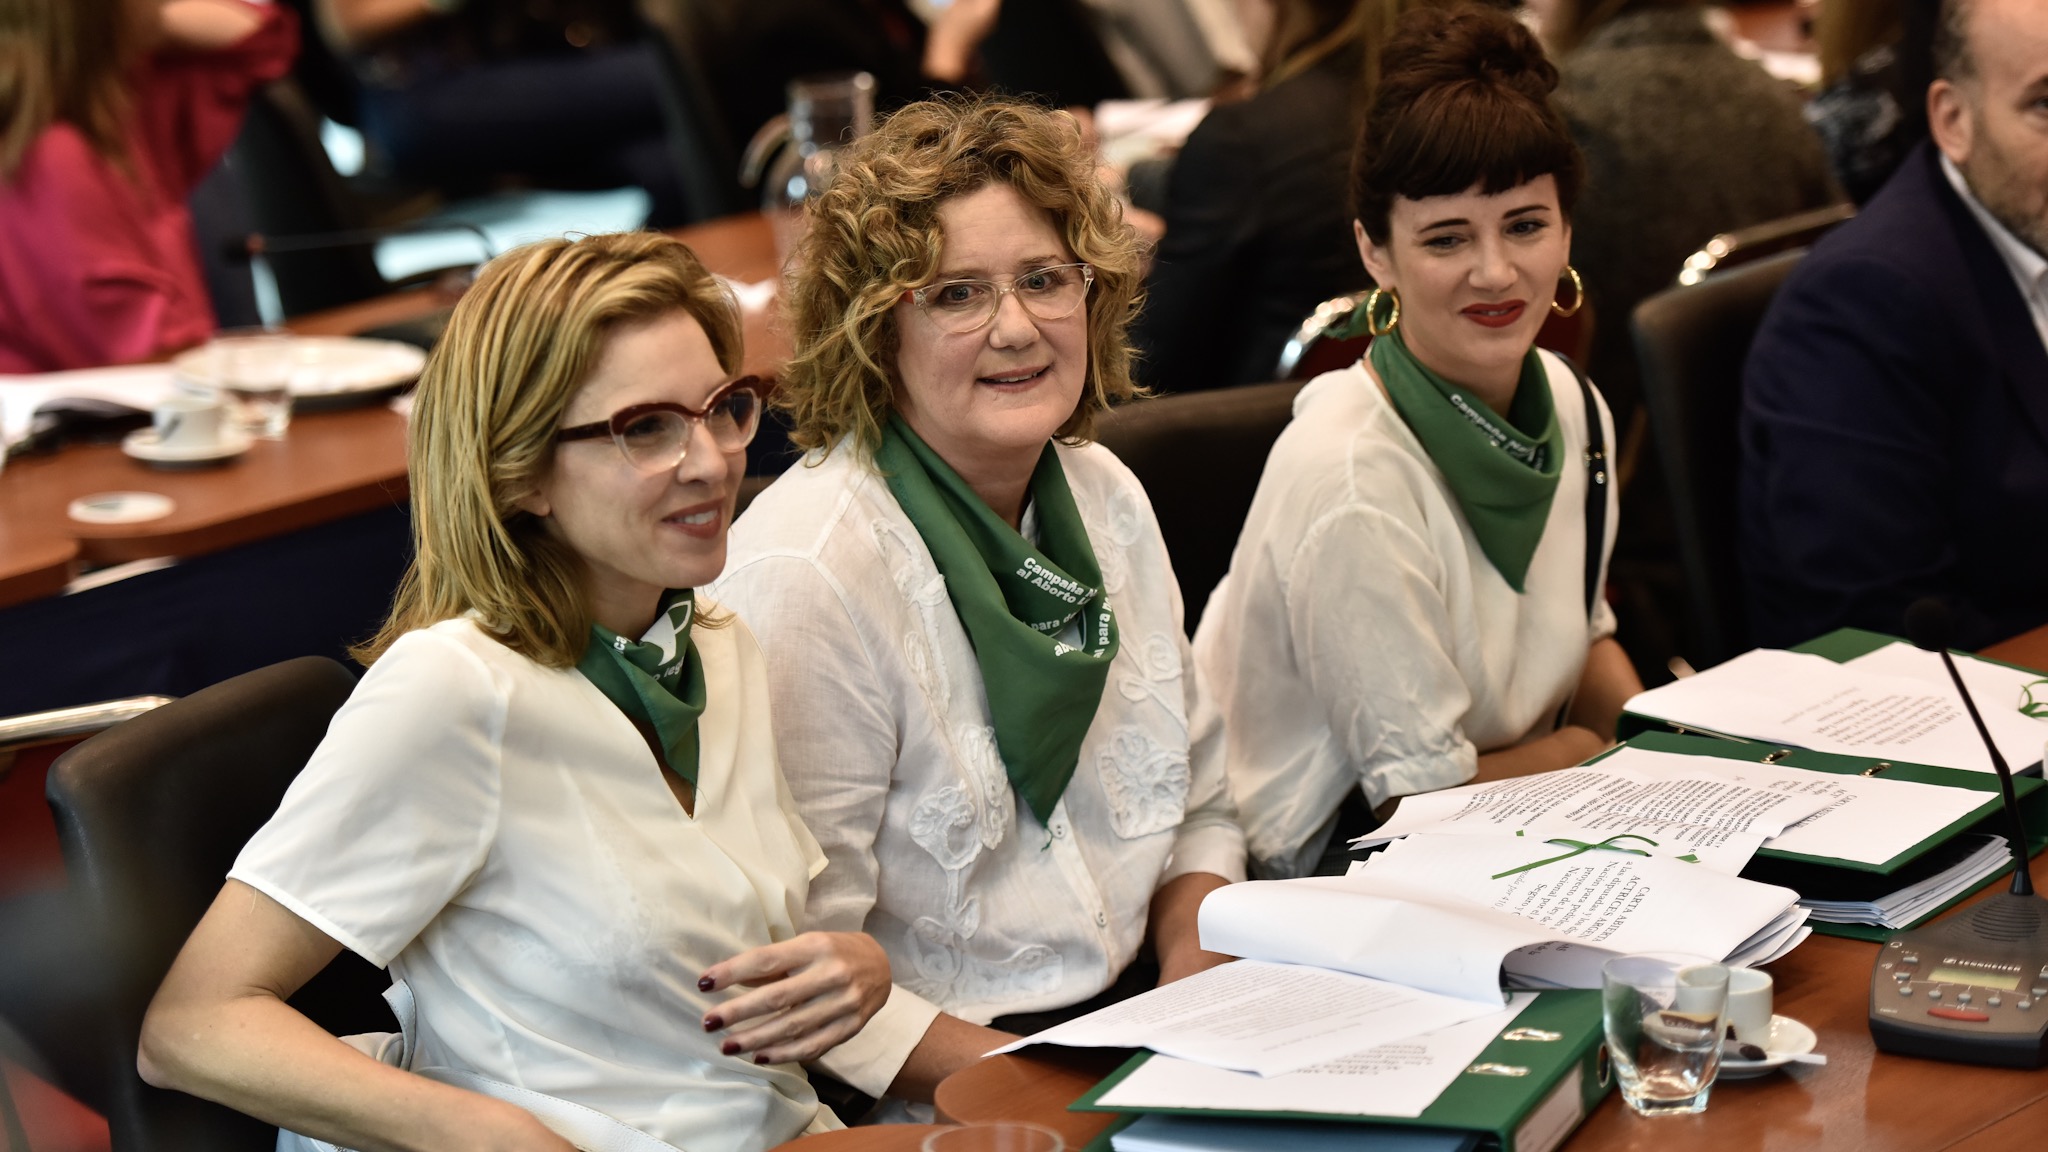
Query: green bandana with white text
x=658 y=681
x=1016 y=602
x=1504 y=473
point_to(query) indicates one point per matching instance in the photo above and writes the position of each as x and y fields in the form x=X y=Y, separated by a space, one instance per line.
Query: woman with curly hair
x=974 y=639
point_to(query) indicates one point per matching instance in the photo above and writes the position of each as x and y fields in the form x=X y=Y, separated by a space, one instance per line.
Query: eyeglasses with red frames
x=653 y=437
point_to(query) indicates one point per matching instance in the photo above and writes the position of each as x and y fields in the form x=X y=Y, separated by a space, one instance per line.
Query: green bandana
x=658 y=682
x=1015 y=600
x=1503 y=475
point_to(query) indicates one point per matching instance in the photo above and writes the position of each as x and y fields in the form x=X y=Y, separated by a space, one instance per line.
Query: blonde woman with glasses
x=552 y=806
x=982 y=690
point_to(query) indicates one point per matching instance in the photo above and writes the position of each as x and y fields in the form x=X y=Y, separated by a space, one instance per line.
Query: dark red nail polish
x=713 y=1023
x=706 y=984
x=760 y=1059
x=730 y=1047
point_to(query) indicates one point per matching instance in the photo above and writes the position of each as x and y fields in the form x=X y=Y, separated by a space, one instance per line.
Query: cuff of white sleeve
x=1217 y=848
x=1414 y=777
x=871 y=1060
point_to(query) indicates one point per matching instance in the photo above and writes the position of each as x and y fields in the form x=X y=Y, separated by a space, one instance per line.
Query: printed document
x=1397 y=1079
x=1699 y=809
x=1812 y=702
x=1264 y=1018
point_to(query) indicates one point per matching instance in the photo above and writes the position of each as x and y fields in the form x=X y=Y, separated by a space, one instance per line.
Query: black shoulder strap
x=1596 y=487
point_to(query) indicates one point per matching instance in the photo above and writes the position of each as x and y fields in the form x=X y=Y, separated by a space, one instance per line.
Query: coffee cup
x=190 y=423
x=1749 y=1005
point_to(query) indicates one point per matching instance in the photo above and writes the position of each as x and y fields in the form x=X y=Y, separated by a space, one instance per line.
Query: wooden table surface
x=330 y=464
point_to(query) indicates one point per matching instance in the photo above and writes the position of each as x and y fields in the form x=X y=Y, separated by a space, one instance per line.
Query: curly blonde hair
x=874 y=234
x=519 y=346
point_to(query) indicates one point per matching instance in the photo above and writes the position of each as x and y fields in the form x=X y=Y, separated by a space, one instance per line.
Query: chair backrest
x=293 y=190
x=706 y=159
x=1692 y=341
x=1314 y=349
x=1731 y=250
x=1199 y=456
x=151 y=814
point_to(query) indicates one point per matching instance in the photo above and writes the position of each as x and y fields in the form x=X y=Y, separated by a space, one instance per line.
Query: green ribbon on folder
x=1579 y=846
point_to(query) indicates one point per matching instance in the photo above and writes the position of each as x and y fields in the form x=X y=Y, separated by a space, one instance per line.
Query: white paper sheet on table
x=1263 y=1018
x=1812 y=702
x=1711 y=811
x=1997 y=690
x=140 y=386
x=1396 y=1079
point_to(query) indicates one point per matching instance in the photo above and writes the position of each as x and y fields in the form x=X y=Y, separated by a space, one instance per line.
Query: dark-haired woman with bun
x=1410 y=605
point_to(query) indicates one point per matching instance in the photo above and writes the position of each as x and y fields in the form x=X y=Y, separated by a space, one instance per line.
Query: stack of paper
x=1888 y=705
x=1704 y=808
x=1183 y=1134
x=1699 y=809
x=1976 y=859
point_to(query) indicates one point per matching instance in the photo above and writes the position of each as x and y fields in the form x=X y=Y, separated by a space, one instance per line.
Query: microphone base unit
x=1971 y=989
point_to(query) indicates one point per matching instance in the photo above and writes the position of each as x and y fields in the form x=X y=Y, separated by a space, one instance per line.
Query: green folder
x=1825 y=878
x=1522 y=1094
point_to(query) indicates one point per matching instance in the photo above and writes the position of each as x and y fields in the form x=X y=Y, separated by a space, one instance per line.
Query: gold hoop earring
x=1578 y=294
x=1372 y=311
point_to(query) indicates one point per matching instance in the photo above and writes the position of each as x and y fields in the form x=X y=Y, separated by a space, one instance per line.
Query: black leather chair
x=1200 y=455
x=1692 y=341
x=151 y=814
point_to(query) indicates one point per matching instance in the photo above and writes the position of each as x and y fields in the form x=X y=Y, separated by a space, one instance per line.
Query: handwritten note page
x=1396 y=1079
x=1812 y=702
x=1712 y=812
x=1263 y=1018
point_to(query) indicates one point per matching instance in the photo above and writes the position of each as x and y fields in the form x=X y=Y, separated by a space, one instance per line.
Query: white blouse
x=1362 y=638
x=499 y=835
x=883 y=725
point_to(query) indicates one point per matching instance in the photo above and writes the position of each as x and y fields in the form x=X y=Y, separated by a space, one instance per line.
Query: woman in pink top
x=116 y=109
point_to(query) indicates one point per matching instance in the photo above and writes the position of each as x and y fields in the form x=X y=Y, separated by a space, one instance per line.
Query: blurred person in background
x=1863 y=113
x=111 y=112
x=460 y=95
x=1683 y=139
x=1257 y=233
x=1895 y=402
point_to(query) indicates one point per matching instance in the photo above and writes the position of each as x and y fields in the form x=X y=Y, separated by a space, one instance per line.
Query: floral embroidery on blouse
x=1145 y=782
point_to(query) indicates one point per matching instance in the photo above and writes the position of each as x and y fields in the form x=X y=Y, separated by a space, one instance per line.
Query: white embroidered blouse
x=883 y=729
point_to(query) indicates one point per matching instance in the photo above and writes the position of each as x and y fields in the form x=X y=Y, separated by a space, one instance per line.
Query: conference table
x=1861 y=1099
x=330 y=465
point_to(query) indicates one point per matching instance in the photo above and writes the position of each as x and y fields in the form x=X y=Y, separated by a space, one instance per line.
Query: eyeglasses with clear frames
x=654 y=437
x=961 y=306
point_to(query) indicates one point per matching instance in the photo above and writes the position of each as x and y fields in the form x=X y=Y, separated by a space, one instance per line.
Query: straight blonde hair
x=65 y=61
x=521 y=342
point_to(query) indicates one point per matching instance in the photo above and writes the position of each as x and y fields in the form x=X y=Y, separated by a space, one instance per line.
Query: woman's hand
x=1174 y=929
x=812 y=993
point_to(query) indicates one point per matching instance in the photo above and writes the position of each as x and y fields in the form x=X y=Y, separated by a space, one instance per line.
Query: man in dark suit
x=1895 y=407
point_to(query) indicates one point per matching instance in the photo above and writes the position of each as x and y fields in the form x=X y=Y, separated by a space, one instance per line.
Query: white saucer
x=1789 y=1038
x=142 y=444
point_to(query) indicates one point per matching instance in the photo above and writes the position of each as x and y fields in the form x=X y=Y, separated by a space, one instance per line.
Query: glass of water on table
x=1664 y=1014
x=253 y=369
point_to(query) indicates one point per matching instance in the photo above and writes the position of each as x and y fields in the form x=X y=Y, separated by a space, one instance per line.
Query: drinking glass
x=999 y=1136
x=1664 y=1013
x=253 y=367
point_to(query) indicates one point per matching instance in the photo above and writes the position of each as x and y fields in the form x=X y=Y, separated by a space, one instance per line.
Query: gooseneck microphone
x=1972 y=987
x=1930 y=625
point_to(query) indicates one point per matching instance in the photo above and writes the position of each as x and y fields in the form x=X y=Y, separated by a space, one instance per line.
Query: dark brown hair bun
x=1463 y=100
